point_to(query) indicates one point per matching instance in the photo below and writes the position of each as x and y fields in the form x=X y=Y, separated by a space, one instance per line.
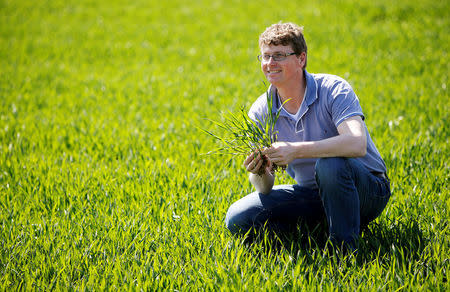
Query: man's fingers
x=258 y=165
x=278 y=160
x=255 y=161
x=267 y=151
x=273 y=156
x=249 y=159
x=254 y=165
x=275 y=160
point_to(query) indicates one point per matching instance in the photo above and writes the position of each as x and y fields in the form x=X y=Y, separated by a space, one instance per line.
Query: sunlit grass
x=103 y=181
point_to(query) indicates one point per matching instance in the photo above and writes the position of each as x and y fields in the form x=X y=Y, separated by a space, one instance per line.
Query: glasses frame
x=283 y=57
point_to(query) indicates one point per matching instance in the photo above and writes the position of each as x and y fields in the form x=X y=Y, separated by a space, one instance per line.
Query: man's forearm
x=351 y=142
x=338 y=146
x=262 y=183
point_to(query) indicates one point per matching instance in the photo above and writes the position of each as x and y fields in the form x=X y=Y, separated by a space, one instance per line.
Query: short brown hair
x=285 y=34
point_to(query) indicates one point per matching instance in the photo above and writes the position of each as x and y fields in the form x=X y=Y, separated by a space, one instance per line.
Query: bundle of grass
x=244 y=136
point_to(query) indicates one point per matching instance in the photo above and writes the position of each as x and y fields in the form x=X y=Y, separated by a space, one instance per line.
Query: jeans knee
x=329 y=169
x=233 y=218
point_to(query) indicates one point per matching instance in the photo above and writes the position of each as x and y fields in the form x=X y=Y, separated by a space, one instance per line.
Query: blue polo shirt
x=328 y=101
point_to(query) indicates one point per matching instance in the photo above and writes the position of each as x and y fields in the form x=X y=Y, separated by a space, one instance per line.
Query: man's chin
x=273 y=81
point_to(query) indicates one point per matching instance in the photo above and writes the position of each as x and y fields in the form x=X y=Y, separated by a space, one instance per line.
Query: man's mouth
x=273 y=71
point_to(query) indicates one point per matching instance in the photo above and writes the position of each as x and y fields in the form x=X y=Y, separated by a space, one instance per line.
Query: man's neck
x=295 y=93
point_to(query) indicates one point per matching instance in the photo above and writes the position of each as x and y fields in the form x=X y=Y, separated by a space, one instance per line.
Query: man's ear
x=302 y=59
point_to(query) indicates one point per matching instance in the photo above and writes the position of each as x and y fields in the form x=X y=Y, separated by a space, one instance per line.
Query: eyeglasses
x=276 y=57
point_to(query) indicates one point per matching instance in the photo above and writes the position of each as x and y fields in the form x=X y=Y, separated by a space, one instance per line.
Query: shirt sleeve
x=344 y=103
x=257 y=110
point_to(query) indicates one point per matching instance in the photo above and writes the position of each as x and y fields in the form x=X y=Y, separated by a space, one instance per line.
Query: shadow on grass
x=402 y=240
x=379 y=241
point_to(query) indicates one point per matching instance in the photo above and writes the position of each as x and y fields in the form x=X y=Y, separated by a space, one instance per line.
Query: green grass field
x=103 y=181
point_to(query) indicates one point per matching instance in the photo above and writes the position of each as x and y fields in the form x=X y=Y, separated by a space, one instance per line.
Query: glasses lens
x=276 y=57
x=279 y=57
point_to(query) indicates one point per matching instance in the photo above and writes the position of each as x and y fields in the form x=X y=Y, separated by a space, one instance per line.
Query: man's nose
x=271 y=60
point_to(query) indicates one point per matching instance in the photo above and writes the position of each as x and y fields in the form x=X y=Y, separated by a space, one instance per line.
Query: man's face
x=280 y=73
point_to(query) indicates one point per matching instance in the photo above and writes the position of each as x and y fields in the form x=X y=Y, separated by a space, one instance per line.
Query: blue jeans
x=349 y=196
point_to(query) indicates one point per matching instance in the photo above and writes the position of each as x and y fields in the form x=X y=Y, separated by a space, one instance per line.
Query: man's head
x=286 y=34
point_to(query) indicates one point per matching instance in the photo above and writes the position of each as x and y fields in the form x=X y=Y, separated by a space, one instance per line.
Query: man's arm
x=351 y=142
x=263 y=183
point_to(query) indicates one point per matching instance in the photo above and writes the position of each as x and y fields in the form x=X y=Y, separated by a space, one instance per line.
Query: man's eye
x=278 y=55
x=266 y=57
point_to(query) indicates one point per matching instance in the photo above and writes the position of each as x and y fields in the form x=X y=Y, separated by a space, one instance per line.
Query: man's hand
x=255 y=161
x=280 y=153
x=260 y=168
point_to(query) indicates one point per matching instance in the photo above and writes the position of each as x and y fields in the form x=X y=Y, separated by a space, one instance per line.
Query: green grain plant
x=244 y=136
x=103 y=185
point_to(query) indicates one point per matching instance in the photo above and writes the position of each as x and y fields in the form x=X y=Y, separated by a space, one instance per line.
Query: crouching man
x=323 y=141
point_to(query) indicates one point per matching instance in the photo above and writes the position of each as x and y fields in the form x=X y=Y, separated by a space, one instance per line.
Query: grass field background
x=103 y=181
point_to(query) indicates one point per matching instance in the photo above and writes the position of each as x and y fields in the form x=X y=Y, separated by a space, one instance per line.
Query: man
x=323 y=140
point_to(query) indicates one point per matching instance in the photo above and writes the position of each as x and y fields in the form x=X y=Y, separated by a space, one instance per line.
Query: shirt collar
x=310 y=96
